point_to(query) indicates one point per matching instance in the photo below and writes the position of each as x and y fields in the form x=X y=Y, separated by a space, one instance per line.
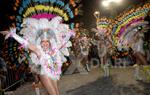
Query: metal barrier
x=11 y=82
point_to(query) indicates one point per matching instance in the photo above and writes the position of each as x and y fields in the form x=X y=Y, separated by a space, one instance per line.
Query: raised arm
x=24 y=42
x=12 y=33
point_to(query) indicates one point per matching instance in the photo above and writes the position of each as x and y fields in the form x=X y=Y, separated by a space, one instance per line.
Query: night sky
x=6 y=10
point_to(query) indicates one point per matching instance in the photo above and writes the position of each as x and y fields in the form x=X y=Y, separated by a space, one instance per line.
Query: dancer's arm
x=20 y=40
x=12 y=33
x=26 y=44
x=35 y=50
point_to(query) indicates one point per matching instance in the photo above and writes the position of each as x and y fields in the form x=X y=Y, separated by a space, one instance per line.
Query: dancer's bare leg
x=137 y=69
x=48 y=84
x=105 y=59
x=55 y=82
x=102 y=61
x=140 y=57
x=103 y=64
x=140 y=60
x=106 y=65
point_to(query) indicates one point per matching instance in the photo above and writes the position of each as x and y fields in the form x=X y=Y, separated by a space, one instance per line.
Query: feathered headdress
x=32 y=16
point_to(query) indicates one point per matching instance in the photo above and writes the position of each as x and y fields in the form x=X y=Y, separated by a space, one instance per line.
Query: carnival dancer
x=84 y=50
x=104 y=46
x=48 y=42
x=138 y=54
x=133 y=36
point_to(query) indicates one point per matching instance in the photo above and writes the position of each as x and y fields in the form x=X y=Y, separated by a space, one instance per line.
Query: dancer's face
x=45 y=45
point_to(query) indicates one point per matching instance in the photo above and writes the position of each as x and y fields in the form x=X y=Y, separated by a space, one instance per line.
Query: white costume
x=58 y=34
x=138 y=46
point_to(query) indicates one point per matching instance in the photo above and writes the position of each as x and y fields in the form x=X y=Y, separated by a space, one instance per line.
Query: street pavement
x=120 y=82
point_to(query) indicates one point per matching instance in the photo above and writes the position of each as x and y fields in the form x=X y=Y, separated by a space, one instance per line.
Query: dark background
x=89 y=6
x=87 y=19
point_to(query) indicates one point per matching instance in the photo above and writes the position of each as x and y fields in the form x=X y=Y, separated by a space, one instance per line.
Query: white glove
x=16 y=37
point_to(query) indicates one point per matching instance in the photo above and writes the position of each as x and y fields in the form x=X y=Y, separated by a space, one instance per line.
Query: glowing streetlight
x=111 y=5
x=107 y=3
x=97 y=14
